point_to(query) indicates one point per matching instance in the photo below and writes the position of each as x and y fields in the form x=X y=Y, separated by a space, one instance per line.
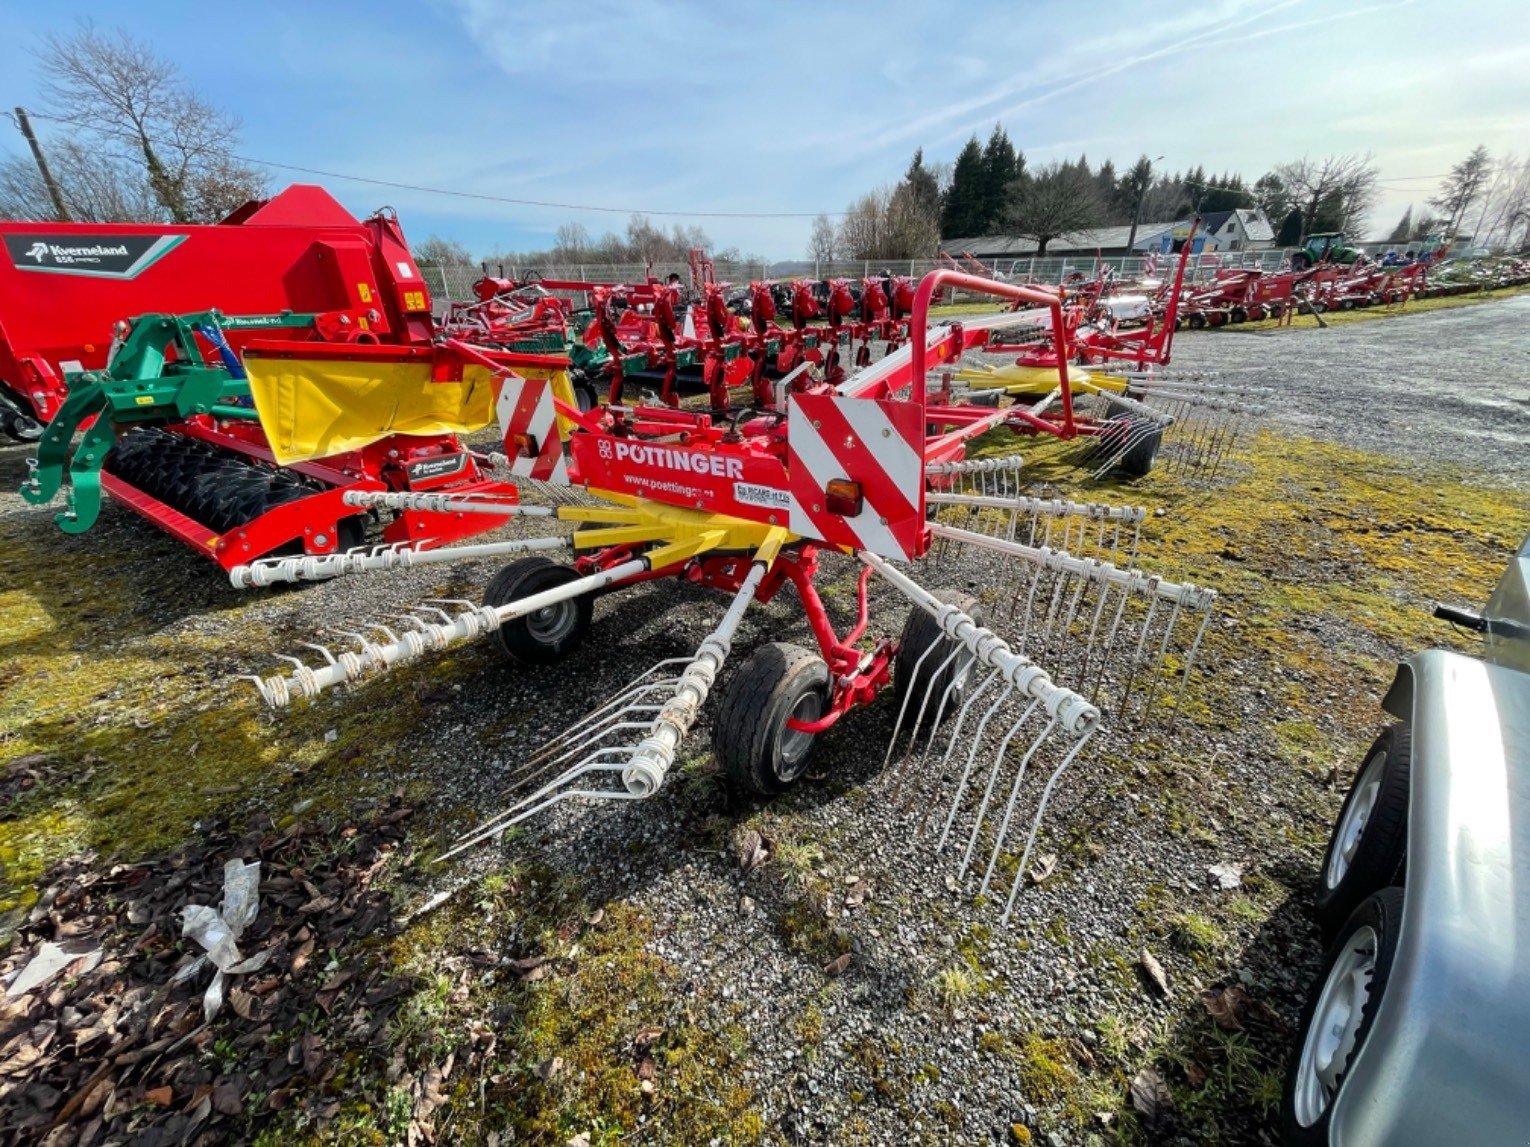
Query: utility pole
x=42 y=166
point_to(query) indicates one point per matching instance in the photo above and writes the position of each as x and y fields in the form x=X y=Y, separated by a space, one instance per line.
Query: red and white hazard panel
x=529 y=423
x=855 y=469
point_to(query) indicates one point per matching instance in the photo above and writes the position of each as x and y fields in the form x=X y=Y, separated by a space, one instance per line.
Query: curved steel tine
x=1041 y=809
x=1014 y=795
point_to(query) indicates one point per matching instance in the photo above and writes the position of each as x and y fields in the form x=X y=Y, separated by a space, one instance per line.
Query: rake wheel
x=1138 y=459
x=750 y=738
x=923 y=663
x=544 y=635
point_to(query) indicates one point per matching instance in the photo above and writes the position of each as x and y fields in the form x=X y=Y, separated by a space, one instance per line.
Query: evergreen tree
x=1105 y=181
x=1404 y=229
x=1290 y=233
x=1002 y=165
x=961 y=215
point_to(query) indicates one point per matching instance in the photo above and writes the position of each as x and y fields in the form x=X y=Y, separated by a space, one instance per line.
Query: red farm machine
x=112 y=330
x=871 y=472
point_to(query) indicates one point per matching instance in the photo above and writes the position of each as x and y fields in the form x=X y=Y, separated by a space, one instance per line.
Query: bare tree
x=97 y=188
x=570 y=243
x=1462 y=187
x=822 y=242
x=131 y=104
x=438 y=252
x=1507 y=206
x=1053 y=202
x=1341 y=187
x=863 y=232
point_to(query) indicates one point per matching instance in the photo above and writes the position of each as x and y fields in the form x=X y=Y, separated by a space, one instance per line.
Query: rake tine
x=955 y=736
x=1041 y=809
x=1009 y=808
x=929 y=688
x=1195 y=645
x=961 y=787
x=993 y=779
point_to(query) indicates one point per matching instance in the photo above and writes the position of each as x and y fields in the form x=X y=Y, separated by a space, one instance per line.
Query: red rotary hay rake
x=997 y=695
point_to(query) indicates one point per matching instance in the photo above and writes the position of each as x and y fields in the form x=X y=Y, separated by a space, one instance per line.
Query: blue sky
x=799 y=107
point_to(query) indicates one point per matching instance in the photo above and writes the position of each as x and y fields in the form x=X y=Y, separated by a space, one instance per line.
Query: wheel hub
x=1332 y=1036
x=795 y=742
x=552 y=623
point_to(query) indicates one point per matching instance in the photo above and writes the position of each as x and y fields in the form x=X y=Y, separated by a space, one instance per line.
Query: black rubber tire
x=21 y=427
x=1383 y=912
x=1381 y=853
x=551 y=633
x=1197 y=321
x=911 y=679
x=585 y=397
x=749 y=737
x=1138 y=461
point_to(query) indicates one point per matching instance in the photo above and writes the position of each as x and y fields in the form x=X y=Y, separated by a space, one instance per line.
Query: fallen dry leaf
x=160 y=1096
x=549 y=1067
x=1150 y=1097
x=837 y=966
x=1196 y=1074
x=1045 y=865
x=646 y=1038
x=1232 y=1009
x=1155 y=972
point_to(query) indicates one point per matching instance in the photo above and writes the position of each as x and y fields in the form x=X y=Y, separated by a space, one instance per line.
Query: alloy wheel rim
x=1352 y=827
x=1332 y=1036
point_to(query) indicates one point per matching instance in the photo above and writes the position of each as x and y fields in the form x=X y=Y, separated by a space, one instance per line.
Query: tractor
x=1324 y=247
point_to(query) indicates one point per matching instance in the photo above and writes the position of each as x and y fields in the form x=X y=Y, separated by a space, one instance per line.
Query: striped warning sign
x=529 y=422
x=874 y=443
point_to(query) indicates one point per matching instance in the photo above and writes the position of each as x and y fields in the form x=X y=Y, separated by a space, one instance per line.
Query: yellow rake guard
x=320 y=406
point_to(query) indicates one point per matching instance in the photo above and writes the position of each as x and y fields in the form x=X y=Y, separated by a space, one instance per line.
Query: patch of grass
x=957 y=983
x=1196 y=933
x=1045 y=1068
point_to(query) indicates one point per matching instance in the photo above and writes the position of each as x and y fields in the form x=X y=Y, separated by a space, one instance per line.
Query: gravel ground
x=942 y=1027
x=1447 y=386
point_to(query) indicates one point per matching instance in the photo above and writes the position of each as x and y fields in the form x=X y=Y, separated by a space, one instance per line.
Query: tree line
x=991 y=189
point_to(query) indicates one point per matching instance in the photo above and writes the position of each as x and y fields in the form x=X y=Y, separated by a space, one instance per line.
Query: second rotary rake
x=996 y=694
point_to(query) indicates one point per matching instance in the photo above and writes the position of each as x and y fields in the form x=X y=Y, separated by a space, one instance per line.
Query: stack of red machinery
x=68 y=286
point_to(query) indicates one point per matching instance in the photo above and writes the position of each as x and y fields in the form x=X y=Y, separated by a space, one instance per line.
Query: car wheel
x=1338 y=1017
x=1369 y=844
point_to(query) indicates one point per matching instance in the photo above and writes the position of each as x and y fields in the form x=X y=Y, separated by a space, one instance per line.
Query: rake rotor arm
x=596 y=745
x=1183 y=594
x=474 y=621
x=1071 y=712
x=322 y=567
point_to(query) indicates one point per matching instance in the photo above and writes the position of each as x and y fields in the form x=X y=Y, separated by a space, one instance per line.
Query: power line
x=397 y=186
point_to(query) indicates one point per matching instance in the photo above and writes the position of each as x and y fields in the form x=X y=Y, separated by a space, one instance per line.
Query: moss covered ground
x=123 y=725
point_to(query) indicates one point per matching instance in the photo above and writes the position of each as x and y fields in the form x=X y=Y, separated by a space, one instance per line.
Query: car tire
x=1368 y=847
x=1338 y=1017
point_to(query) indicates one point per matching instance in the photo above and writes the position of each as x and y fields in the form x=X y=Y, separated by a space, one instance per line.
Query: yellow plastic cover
x=315 y=408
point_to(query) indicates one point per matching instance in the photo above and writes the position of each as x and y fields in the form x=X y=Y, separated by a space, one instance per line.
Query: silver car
x=1418 y=1030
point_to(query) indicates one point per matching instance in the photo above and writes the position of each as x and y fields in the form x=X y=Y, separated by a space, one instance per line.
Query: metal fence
x=453 y=282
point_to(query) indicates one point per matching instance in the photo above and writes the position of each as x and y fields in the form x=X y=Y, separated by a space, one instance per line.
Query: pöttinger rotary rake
x=998 y=693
